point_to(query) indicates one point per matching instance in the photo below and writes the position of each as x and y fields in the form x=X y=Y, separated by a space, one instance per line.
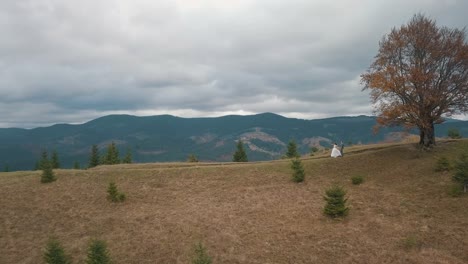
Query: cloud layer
x=72 y=61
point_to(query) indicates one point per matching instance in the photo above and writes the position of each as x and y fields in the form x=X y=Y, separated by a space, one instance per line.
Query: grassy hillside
x=245 y=213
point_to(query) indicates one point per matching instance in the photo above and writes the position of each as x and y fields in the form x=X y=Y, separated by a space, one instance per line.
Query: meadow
x=245 y=212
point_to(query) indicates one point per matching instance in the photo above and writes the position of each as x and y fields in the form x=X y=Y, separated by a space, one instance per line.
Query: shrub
x=356 y=180
x=335 y=202
x=298 y=170
x=455 y=190
x=113 y=194
x=201 y=257
x=47 y=173
x=442 y=164
x=97 y=253
x=461 y=171
x=54 y=253
x=313 y=150
x=454 y=133
x=411 y=242
x=192 y=158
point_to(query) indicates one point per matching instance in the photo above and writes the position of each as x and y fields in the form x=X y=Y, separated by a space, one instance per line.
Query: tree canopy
x=419 y=76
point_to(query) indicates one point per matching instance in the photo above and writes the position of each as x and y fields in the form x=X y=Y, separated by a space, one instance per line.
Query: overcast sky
x=73 y=61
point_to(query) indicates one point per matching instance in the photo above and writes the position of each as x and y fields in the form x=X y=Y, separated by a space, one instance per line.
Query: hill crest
x=171 y=138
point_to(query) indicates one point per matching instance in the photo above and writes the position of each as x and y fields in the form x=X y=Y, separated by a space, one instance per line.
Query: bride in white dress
x=335 y=152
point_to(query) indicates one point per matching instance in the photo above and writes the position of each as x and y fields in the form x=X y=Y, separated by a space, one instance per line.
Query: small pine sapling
x=201 y=257
x=356 y=180
x=47 y=173
x=113 y=194
x=55 y=254
x=298 y=170
x=292 y=150
x=97 y=253
x=442 y=164
x=461 y=171
x=335 y=202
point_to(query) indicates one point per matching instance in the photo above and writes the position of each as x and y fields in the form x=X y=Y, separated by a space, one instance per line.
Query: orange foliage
x=419 y=75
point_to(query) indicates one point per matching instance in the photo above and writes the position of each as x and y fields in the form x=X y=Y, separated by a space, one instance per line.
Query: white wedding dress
x=335 y=152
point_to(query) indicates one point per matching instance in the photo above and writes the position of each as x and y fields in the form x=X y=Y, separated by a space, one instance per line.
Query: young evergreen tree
x=47 y=172
x=201 y=257
x=292 y=150
x=335 y=202
x=128 y=157
x=298 y=170
x=113 y=194
x=76 y=165
x=240 y=155
x=43 y=160
x=55 y=254
x=112 y=156
x=55 y=160
x=461 y=171
x=97 y=253
x=7 y=168
x=94 y=159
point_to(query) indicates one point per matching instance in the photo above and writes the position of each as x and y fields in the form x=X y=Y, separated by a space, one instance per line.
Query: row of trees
x=44 y=160
x=99 y=254
x=241 y=156
x=110 y=157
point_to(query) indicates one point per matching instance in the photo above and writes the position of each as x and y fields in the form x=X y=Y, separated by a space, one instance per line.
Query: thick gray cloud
x=72 y=61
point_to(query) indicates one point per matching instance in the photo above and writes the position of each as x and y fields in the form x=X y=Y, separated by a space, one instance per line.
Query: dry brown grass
x=245 y=213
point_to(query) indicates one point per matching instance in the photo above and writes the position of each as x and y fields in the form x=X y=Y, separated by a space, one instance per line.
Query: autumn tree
x=419 y=76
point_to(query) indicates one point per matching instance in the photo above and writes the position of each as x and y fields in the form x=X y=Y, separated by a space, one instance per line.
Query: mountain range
x=170 y=138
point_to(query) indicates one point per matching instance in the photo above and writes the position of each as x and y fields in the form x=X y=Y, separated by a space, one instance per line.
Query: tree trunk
x=421 y=136
x=427 y=136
